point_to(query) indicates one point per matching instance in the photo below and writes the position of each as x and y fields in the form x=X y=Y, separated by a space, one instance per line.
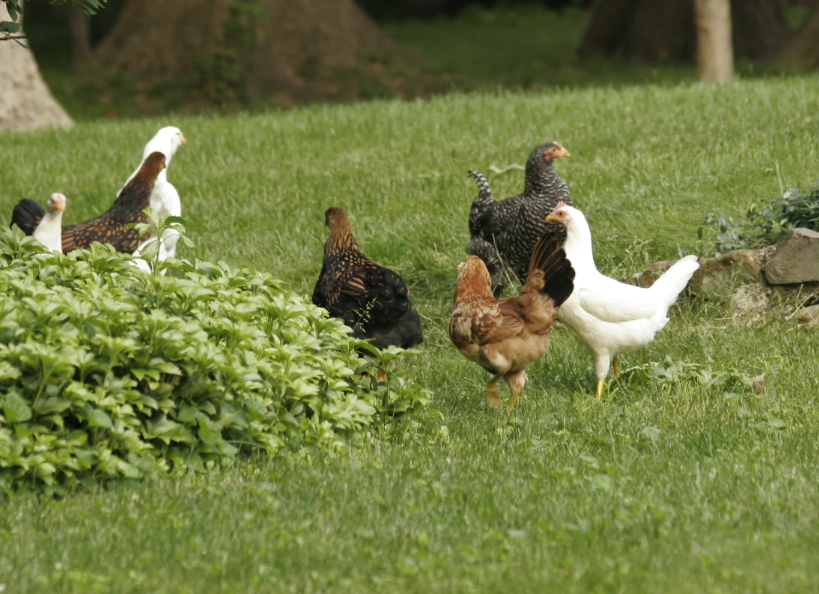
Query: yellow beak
x=551 y=217
x=184 y=141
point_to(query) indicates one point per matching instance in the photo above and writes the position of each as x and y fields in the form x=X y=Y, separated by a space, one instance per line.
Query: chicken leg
x=602 y=360
x=515 y=380
x=616 y=368
x=493 y=392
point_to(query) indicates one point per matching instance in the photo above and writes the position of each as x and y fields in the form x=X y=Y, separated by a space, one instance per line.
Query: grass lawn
x=523 y=47
x=667 y=485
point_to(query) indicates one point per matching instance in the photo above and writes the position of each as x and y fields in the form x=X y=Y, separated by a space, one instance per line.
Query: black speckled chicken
x=111 y=226
x=504 y=233
x=372 y=300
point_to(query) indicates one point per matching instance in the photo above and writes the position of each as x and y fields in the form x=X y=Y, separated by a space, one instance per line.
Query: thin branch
x=15 y=38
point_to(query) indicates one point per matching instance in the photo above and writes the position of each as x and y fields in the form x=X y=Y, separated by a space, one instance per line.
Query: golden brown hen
x=505 y=336
x=372 y=300
x=111 y=226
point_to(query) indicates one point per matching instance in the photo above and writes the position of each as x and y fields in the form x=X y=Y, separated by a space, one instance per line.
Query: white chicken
x=50 y=231
x=165 y=200
x=609 y=317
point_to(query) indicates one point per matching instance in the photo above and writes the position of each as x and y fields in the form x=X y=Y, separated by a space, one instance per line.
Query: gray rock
x=717 y=278
x=796 y=259
x=809 y=315
x=751 y=298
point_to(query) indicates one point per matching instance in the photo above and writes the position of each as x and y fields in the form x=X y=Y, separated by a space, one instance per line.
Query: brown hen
x=505 y=336
x=111 y=226
x=372 y=300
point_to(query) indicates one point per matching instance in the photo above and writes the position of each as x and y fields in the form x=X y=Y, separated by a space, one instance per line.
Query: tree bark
x=715 y=56
x=804 y=47
x=664 y=30
x=80 y=29
x=25 y=101
x=256 y=47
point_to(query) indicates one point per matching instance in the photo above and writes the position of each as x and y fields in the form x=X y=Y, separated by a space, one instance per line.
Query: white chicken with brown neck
x=606 y=316
x=165 y=200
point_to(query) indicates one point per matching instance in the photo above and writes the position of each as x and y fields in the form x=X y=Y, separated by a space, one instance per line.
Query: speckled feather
x=110 y=227
x=371 y=299
x=515 y=225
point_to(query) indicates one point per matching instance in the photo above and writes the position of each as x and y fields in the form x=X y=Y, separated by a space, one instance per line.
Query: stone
x=719 y=275
x=716 y=277
x=809 y=315
x=654 y=271
x=751 y=298
x=796 y=259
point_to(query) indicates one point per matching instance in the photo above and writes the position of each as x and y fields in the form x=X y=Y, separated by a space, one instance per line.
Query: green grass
x=524 y=47
x=664 y=486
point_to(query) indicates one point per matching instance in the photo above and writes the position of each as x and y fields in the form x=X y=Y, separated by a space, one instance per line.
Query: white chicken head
x=56 y=203
x=562 y=214
x=166 y=141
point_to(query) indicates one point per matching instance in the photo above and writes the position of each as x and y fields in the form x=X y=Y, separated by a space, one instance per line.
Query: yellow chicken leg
x=493 y=394
x=616 y=368
x=599 y=393
x=513 y=399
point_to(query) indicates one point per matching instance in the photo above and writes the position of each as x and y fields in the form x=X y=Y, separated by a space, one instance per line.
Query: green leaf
x=98 y=418
x=15 y=409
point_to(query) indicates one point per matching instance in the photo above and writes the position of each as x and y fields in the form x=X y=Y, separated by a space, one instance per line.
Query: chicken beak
x=184 y=141
x=551 y=217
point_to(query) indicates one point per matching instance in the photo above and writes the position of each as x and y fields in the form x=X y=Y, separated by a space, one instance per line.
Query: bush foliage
x=107 y=371
x=767 y=224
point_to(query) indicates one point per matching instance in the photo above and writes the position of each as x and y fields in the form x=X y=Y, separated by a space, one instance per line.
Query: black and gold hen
x=110 y=227
x=504 y=233
x=372 y=300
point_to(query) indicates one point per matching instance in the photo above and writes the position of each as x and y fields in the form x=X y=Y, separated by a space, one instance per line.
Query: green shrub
x=107 y=371
x=767 y=224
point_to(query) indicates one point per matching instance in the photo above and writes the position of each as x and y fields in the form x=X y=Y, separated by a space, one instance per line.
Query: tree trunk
x=246 y=48
x=661 y=30
x=804 y=48
x=715 y=57
x=80 y=29
x=25 y=101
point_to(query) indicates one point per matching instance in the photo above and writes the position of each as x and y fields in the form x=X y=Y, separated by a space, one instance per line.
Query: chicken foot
x=515 y=380
x=493 y=395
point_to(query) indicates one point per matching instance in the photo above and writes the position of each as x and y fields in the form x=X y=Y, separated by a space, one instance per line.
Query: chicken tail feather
x=482 y=183
x=671 y=284
x=27 y=215
x=558 y=274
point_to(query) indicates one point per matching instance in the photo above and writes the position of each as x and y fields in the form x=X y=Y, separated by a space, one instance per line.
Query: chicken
x=608 y=317
x=505 y=336
x=111 y=226
x=372 y=300
x=48 y=229
x=165 y=201
x=504 y=233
